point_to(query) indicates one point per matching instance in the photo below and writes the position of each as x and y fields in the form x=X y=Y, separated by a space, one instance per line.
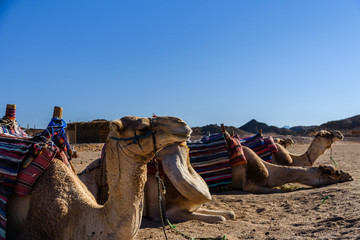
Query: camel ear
x=116 y=126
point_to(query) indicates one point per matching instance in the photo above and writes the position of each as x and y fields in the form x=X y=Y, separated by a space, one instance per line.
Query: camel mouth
x=179 y=134
x=341 y=138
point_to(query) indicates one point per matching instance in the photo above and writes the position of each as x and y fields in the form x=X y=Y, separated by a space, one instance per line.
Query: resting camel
x=257 y=176
x=174 y=158
x=285 y=142
x=184 y=199
x=322 y=141
x=61 y=207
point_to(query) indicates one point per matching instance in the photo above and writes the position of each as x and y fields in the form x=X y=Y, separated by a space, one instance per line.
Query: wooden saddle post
x=58 y=113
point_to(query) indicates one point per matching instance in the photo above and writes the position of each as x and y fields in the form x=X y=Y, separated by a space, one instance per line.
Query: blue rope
x=134 y=139
x=58 y=125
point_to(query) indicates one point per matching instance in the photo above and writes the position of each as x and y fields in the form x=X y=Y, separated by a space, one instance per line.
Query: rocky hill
x=198 y=132
x=349 y=126
x=254 y=126
x=351 y=123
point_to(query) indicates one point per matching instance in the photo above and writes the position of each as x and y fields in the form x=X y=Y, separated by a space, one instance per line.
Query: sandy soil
x=330 y=212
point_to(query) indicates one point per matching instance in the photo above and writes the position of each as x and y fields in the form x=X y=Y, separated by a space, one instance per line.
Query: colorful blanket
x=10 y=127
x=263 y=147
x=214 y=156
x=27 y=176
x=15 y=150
x=12 y=152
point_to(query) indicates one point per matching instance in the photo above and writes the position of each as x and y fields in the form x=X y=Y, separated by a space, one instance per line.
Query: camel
x=61 y=207
x=257 y=176
x=322 y=141
x=184 y=199
x=285 y=142
x=175 y=159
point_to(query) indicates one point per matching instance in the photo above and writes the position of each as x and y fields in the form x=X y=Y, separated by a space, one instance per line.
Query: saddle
x=23 y=159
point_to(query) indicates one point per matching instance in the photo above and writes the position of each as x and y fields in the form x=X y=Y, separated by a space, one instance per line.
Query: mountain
x=198 y=132
x=346 y=124
x=254 y=126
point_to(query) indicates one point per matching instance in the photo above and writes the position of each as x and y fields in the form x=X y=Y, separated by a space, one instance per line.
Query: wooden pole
x=58 y=112
x=10 y=111
x=11 y=106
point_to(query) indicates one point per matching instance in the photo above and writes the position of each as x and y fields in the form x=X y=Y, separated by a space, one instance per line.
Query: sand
x=330 y=212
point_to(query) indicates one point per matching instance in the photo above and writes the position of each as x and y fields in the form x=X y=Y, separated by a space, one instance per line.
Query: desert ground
x=329 y=212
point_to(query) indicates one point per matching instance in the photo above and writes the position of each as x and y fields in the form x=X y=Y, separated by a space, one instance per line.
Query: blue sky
x=207 y=62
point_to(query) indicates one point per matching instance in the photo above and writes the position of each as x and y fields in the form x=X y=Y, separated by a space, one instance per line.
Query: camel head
x=285 y=142
x=327 y=138
x=288 y=142
x=335 y=175
x=176 y=164
x=144 y=136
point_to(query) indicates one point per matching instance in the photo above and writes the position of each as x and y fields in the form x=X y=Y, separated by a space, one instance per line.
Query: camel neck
x=308 y=157
x=126 y=179
x=314 y=151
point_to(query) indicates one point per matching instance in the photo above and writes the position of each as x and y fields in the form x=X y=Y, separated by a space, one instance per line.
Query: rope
x=191 y=238
x=162 y=189
x=56 y=131
x=7 y=122
x=161 y=186
x=332 y=159
x=134 y=139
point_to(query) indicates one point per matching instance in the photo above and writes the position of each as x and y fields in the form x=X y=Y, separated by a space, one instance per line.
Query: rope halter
x=136 y=138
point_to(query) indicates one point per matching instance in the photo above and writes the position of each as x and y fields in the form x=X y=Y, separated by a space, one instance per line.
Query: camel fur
x=61 y=207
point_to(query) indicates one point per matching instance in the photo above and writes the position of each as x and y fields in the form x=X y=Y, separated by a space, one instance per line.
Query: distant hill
x=303 y=129
x=254 y=126
x=347 y=126
x=198 y=132
x=347 y=123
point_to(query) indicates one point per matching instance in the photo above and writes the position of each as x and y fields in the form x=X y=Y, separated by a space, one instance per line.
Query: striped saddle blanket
x=213 y=157
x=263 y=147
x=15 y=178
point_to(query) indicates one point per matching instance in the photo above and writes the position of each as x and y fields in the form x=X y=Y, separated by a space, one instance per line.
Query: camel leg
x=227 y=214
x=185 y=215
x=151 y=199
x=254 y=188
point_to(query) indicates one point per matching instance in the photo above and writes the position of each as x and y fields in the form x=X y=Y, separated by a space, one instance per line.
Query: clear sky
x=208 y=62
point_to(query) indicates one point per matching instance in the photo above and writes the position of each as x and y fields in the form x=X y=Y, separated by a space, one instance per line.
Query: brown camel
x=322 y=141
x=175 y=159
x=182 y=203
x=185 y=193
x=61 y=207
